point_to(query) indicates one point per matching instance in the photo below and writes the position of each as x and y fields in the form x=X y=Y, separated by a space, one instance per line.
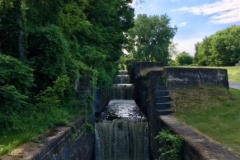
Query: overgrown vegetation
x=171 y=145
x=46 y=49
x=183 y=58
x=212 y=110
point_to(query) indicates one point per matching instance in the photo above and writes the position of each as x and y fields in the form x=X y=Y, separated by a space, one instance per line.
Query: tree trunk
x=19 y=18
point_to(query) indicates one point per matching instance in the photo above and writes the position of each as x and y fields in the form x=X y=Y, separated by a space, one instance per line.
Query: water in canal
x=121 y=130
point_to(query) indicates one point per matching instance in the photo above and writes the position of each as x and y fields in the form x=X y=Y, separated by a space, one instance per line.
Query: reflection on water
x=122 y=109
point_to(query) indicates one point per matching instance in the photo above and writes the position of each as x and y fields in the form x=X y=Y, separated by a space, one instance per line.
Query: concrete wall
x=60 y=143
x=141 y=93
x=196 y=146
x=135 y=68
x=182 y=77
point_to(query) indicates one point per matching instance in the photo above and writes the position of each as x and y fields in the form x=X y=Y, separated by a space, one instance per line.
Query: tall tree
x=221 y=48
x=12 y=29
x=184 y=58
x=151 y=38
x=105 y=40
x=195 y=57
x=21 y=32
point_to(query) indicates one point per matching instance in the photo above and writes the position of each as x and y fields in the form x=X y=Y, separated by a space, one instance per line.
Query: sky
x=195 y=19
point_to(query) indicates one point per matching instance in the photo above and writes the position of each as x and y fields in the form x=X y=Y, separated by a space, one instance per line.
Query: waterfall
x=122 y=91
x=122 y=79
x=121 y=130
x=121 y=140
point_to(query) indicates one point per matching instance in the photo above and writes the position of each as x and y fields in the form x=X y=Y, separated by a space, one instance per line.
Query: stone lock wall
x=155 y=99
x=183 y=77
x=195 y=146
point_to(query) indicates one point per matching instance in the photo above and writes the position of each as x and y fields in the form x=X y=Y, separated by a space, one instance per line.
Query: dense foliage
x=184 y=58
x=48 y=46
x=171 y=145
x=220 y=49
x=151 y=37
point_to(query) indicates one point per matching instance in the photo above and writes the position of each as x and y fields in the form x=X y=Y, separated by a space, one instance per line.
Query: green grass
x=213 y=111
x=30 y=125
x=12 y=140
x=233 y=73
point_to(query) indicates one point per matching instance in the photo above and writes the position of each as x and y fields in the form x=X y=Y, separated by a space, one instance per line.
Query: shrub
x=16 y=81
x=171 y=145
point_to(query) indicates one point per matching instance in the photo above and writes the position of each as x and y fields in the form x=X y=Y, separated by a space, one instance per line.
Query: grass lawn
x=233 y=73
x=213 y=111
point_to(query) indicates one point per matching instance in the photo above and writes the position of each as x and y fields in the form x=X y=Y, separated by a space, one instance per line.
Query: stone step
x=164 y=112
x=155 y=84
x=161 y=93
x=159 y=88
x=158 y=80
x=162 y=99
x=163 y=106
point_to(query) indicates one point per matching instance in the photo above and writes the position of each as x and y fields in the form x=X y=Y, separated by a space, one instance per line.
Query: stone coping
x=47 y=141
x=206 y=148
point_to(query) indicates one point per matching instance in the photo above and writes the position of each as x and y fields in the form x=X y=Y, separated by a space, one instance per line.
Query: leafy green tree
x=220 y=49
x=12 y=29
x=151 y=37
x=105 y=40
x=204 y=52
x=184 y=58
x=47 y=54
x=60 y=42
x=16 y=83
x=195 y=57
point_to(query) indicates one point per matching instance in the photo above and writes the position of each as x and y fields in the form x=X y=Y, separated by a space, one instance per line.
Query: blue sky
x=195 y=19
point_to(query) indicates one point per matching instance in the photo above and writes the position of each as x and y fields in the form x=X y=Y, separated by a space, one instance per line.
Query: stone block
x=159 y=88
x=164 y=112
x=161 y=93
x=185 y=77
x=162 y=99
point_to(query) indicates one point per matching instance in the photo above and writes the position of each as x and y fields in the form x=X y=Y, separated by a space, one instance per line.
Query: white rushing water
x=121 y=140
x=121 y=130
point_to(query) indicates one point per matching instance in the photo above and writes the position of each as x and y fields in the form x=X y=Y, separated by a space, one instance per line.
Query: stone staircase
x=160 y=94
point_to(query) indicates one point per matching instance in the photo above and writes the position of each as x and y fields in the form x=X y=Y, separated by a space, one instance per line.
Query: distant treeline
x=219 y=49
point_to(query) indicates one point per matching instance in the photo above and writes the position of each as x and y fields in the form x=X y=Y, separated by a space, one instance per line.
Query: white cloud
x=221 y=12
x=182 y=24
x=187 y=45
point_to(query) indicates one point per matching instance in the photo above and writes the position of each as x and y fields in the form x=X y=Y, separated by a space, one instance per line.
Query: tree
x=151 y=37
x=195 y=57
x=221 y=48
x=104 y=42
x=184 y=58
x=204 y=52
x=12 y=29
